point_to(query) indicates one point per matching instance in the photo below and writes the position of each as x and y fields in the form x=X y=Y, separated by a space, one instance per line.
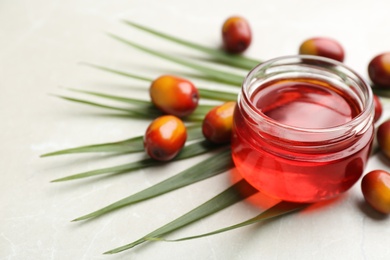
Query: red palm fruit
x=165 y=137
x=378 y=108
x=217 y=125
x=322 y=46
x=376 y=190
x=383 y=137
x=173 y=95
x=236 y=34
x=379 y=70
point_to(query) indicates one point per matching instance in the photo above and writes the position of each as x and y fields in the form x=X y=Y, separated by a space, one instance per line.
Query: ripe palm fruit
x=165 y=137
x=322 y=46
x=236 y=35
x=376 y=190
x=173 y=95
x=217 y=125
x=383 y=137
x=379 y=70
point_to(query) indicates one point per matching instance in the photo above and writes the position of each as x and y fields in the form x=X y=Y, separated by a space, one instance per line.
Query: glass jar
x=303 y=128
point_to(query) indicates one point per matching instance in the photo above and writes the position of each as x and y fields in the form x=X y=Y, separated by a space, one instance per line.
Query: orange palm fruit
x=379 y=70
x=165 y=137
x=173 y=95
x=218 y=122
x=376 y=190
x=322 y=46
x=236 y=34
x=383 y=137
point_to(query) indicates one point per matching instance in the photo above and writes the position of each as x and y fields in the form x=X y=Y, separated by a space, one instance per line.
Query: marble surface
x=42 y=46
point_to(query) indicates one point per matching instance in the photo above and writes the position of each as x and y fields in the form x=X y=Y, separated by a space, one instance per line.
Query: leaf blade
x=126 y=146
x=131 y=145
x=216 y=164
x=217 y=95
x=147 y=106
x=233 y=60
x=130 y=112
x=134 y=101
x=229 y=78
x=281 y=208
x=204 y=93
x=187 y=152
x=226 y=198
x=122 y=73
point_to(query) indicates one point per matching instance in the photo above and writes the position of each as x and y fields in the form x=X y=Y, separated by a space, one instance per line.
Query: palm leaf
x=212 y=166
x=134 y=101
x=187 y=152
x=281 y=208
x=204 y=93
x=233 y=60
x=147 y=106
x=223 y=200
x=228 y=78
x=118 y=72
x=135 y=113
x=131 y=145
x=147 y=112
x=217 y=95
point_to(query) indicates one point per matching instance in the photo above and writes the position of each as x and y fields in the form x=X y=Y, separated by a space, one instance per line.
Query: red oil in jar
x=302 y=137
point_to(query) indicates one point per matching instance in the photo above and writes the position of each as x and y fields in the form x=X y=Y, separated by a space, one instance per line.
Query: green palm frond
x=223 y=200
x=131 y=145
x=238 y=61
x=212 y=166
x=211 y=73
x=187 y=152
x=218 y=161
x=204 y=93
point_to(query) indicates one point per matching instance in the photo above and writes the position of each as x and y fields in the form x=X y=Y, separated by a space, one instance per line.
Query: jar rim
x=367 y=109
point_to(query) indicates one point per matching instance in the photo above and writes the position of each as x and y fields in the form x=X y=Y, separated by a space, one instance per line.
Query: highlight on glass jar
x=303 y=128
